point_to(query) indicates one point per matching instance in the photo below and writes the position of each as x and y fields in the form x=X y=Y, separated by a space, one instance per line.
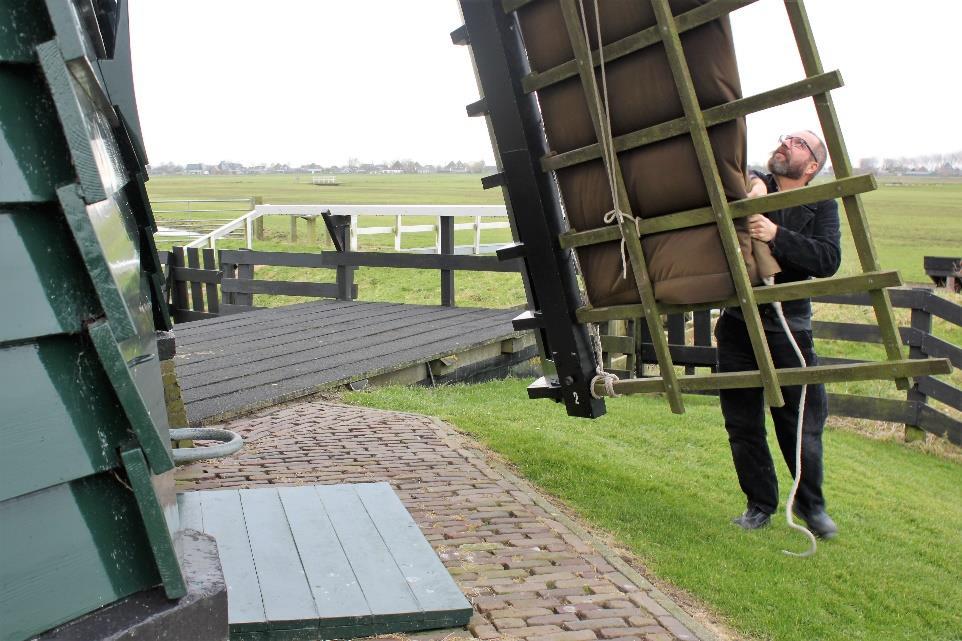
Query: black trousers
x=744 y=412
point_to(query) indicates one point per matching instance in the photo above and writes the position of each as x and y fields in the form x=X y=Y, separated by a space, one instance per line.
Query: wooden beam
x=719 y=202
x=886 y=370
x=716 y=115
x=627 y=227
x=854 y=210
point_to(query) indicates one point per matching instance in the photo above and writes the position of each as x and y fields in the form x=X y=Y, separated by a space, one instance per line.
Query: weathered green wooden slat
x=628 y=230
x=337 y=595
x=38 y=255
x=29 y=26
x=885 y=370
x=713 y=116
x=287 y=598
x=426 y=575
x=854 y=209
x=100 y=172
x=709 y=11
x=224 y=520
x=156 y=444
x=59 y=420
x=618 y=344
x=114 y=276
x=67 y=550
x=387 y=592
x=191 y=511
x=155 y=522
x=737 y=209
x=719 y=203
x=33 y=152
x=763 y=294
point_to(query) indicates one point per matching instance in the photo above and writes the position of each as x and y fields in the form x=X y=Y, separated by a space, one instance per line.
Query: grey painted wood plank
x=384 y=585
x=274 y=335
x=427 y=577
x=335 y=338
x=191 y=511
x=285 y=593
x=324 y=357
x=337 y=594
x=355 y=365
x=224 y=520
x=250 y=320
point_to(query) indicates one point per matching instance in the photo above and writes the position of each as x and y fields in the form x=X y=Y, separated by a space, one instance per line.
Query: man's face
x=792 y=158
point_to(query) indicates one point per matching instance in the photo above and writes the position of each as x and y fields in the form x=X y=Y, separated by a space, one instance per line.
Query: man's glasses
x=798 y=143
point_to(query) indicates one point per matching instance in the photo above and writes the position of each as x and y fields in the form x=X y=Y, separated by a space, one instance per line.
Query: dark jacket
x=808 y=244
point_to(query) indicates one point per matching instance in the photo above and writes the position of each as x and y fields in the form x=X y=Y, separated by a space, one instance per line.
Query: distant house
x=226 y=167
x=455 y=168
x=195 y=169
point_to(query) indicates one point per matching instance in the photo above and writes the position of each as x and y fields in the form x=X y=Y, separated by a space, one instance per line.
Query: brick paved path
x=531 y=572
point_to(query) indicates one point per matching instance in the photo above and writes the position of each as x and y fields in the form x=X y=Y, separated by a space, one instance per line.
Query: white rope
x=789 y=517
x=608 y=378
x=615 y=214
x=605 y=136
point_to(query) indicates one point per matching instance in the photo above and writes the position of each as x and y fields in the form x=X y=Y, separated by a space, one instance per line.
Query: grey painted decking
x=242 y=362
x=324 y=561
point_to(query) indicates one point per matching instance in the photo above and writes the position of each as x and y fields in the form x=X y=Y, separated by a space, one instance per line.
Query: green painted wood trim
x=854 y=209
x=72 y=120
x=763 y=294
x=154 y=522
x=635 y=42
x=68 y=550
x=713 y=116
x=886 y=370
x=156 y=445
x=85 y=235
x=628 y=230
x=32 y=27
x=737 y=209
x=719 y=203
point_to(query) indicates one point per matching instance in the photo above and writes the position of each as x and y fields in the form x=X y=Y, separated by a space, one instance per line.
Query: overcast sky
x=299 y=81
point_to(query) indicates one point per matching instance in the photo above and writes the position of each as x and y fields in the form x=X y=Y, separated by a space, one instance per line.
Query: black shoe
x=753 y=519
x=820 y=524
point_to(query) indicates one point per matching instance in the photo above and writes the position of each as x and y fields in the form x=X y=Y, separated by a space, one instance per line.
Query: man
x=805 y=242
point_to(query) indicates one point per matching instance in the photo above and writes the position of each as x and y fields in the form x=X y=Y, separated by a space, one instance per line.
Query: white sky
x=299 y=81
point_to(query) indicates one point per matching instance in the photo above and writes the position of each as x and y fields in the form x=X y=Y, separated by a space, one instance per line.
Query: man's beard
x=784 y=168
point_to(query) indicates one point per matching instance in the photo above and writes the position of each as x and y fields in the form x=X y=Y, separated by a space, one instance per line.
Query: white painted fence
x=478 y=212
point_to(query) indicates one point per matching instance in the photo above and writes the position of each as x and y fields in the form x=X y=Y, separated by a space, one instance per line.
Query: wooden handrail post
x=259 y=221
x=447 y=247
x=921 y=322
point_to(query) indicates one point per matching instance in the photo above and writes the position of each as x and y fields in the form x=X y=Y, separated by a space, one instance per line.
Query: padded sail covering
x=686 y=266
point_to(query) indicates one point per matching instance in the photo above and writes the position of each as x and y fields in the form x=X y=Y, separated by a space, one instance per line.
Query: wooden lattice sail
x=671 y=99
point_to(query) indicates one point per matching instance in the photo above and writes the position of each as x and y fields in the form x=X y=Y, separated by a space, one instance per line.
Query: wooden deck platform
x=235 y=364
x=324 y=561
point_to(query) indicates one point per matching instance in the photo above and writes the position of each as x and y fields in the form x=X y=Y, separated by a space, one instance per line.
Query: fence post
x=447 y=249
x=293 y=229
x=341 y=228
x=921 y=323
x=259 y=221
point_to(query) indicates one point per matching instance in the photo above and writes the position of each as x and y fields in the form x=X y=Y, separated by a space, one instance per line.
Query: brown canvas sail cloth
x=686 y=266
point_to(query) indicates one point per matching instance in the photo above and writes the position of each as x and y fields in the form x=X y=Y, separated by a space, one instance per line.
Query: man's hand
x=758 y=188
x=761 y=228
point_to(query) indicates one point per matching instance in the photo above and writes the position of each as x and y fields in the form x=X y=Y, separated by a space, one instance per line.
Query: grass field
x=664 y=486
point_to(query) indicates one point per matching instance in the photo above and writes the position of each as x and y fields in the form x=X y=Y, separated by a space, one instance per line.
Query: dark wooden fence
x=944 y=271
x=228 y=284
x=695 y=349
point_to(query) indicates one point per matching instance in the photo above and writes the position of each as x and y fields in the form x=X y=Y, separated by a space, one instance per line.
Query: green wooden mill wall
x=87 y=513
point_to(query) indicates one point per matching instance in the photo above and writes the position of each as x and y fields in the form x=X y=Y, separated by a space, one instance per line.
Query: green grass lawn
x=664 y=486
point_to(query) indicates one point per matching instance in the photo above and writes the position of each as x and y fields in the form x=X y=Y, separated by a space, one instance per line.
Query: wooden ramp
x=234 y=364
x=324 y=562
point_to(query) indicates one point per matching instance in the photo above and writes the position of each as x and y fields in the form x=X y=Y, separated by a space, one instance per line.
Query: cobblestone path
x=531 y=572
